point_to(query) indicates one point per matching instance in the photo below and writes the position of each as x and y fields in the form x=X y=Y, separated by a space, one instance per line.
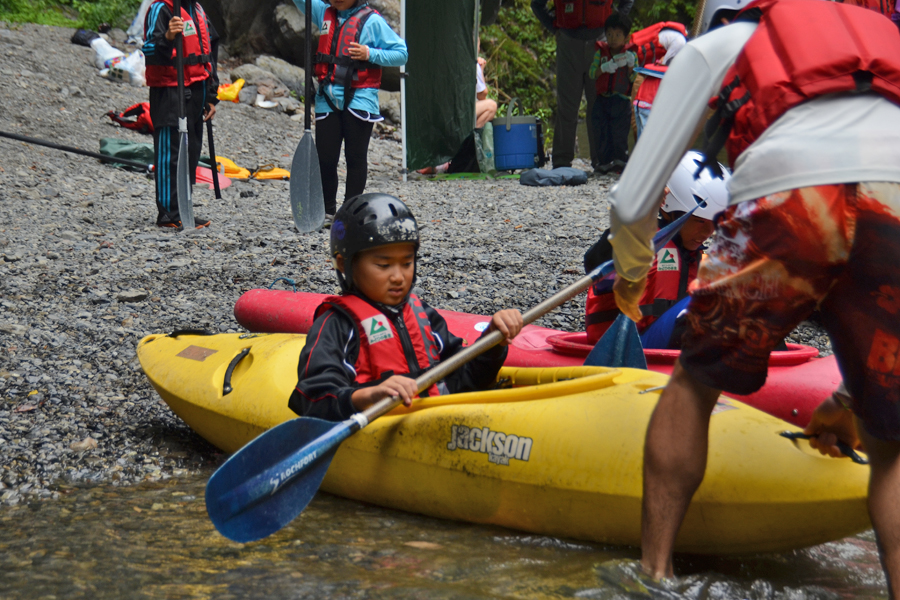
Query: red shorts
x=775 y=260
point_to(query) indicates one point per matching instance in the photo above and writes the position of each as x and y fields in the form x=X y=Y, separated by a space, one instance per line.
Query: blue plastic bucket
x=515 y=140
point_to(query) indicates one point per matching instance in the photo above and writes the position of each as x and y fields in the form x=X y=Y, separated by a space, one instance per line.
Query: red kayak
x=797 y=381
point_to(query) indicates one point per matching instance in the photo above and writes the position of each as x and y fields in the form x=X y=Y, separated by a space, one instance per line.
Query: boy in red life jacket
x=370 y=342
x=200 y=49
x=655 y=47
x=674 y=266
x=611 y=114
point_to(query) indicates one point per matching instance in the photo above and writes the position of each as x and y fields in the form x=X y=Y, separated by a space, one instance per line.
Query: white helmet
x=711 y=7
x=686 y=191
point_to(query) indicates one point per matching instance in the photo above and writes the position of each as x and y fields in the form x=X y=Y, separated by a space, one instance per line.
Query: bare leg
x=884 y=510
x=674 y=464
x=484 y=112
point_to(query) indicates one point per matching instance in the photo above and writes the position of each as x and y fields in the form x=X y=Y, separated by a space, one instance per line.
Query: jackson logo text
x=500 y=447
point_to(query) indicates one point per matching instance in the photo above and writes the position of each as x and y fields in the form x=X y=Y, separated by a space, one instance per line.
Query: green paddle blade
x=183 y=182
x=307 y=198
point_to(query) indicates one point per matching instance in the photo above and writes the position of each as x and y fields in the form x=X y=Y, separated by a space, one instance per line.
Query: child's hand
x=608 y=66
x=508 y=322
x=176 y=26
x=482 y=61
x=396 y=385
x=359 y=51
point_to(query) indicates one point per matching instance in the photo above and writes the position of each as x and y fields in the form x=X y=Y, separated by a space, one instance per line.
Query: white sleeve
x=673 y=42
x=694 y=77
x=480 y=85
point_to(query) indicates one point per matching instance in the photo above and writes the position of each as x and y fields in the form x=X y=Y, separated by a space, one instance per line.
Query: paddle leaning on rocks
x=268 y=482
x=307 y=197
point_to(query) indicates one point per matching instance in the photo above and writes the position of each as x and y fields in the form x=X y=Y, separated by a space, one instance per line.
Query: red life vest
x=645 y=43
x=574 y=14
x=142 y=121
x=885 y=7
x=648 y=89
x=384 y=348
x=196 y=51
x=667 y=283
x=333 y=62
x=840 y=48
x=618 y=82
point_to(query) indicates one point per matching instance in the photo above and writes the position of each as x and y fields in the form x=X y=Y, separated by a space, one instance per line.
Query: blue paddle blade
x=241 y=497
x=620 y=346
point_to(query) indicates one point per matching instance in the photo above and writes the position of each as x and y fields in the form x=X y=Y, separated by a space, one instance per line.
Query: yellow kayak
x=557 y=452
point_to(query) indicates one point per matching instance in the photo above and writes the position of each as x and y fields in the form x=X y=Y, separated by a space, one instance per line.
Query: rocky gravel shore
x=85 y=273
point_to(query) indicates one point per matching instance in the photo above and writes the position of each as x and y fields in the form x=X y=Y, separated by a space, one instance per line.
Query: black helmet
x=368 y=221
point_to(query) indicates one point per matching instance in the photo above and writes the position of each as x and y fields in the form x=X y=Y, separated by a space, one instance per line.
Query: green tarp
x=440 y=86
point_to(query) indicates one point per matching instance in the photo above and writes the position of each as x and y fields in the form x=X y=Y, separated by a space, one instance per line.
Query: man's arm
x=539 y=8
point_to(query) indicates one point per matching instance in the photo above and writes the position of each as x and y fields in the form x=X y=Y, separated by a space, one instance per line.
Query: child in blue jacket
x=354 y=43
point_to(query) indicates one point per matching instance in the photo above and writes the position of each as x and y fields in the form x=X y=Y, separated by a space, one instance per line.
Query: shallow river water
x=155 y=541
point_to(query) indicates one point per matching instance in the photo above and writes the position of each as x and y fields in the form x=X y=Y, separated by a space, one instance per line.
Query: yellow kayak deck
x=557 y=453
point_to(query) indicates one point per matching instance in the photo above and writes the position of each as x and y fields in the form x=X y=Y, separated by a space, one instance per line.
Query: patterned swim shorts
x=775 y=260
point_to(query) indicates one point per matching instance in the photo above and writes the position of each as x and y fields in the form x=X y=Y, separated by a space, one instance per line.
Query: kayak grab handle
x=226 y=385
x=179 y=332
x=844 y=448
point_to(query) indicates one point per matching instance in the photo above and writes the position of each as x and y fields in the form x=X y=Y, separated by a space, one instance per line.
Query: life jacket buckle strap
x=197 y=59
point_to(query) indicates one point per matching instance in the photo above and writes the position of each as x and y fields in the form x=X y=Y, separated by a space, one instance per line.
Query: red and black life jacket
x=386 y=348
x=645 y=43
x=333 y=62
x=574 y=14
x=667 y=283
x=839 y=49
x=196 y=50
x=141 y=117
x=648 y=89
x=885 y=7
x=618 y=82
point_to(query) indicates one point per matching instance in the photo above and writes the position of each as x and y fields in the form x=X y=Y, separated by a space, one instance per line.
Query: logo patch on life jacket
x=667 y=260
x=377 y=329
x=325 y=29
x=569 y=8
x=189 y=28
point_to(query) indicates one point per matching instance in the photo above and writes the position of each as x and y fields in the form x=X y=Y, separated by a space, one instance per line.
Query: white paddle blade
x=183 y=185
x=307 y=198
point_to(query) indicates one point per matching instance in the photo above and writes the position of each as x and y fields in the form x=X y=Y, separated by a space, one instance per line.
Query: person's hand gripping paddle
x=307 y=198
x=621 y=345
x=268 y=482
x=183 y=169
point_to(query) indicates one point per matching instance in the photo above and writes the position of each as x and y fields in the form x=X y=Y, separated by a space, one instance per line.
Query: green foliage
x=45 y=12
x=117 y=13
x=87 y=14
x=521 y=57
x=645 y=14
